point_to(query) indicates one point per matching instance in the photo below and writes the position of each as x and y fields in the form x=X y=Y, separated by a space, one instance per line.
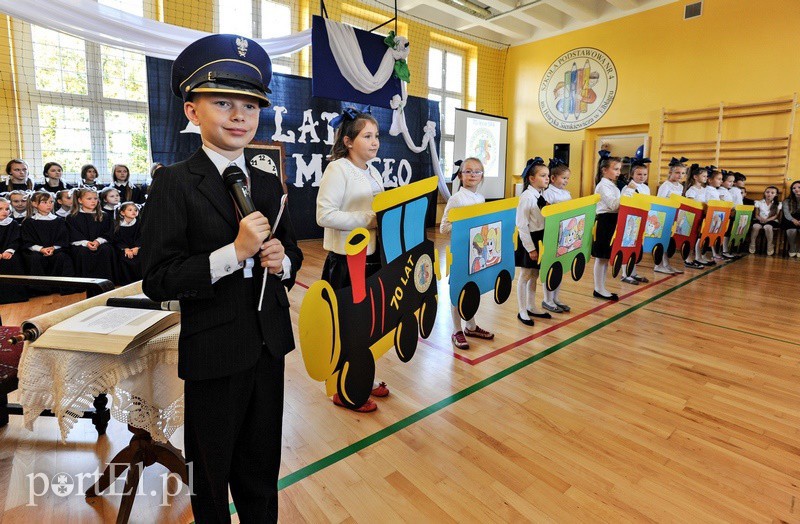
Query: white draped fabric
x=348 y=56
x=99 y=23
x=94 y=22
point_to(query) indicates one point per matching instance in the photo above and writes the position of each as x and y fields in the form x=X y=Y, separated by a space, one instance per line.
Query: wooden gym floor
x=680 y=403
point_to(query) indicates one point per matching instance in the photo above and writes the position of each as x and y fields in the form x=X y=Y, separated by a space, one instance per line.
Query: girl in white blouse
x=607 y=210
x=530 y=225
x=638 y=184
x=470 y=176
x=726 y=196
x=696 y=190
x=344 y=203
x=714 y=191
x=673 y=186
x=768 y=211
x=556 y=192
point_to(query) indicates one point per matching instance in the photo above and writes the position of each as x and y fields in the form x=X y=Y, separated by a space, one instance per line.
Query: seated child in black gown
x=10 y=256
x=90 y=233
x=127 y=241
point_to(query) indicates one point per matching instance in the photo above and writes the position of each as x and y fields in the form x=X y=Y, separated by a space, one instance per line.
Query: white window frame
x=285 y=61
x=443 y=93
x=94 y=101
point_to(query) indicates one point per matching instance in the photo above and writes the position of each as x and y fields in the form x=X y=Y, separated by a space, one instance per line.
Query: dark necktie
x=541 y=202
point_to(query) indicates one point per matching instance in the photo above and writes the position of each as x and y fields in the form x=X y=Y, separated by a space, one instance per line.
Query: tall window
x=257 y=19
x=446 y=86
x=87 y=102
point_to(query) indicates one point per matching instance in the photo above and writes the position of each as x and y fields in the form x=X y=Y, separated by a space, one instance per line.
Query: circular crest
x=577 y=89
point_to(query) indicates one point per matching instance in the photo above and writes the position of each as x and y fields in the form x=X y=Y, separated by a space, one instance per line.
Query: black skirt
x=521 y=257
x=336 y=273
x=606 y=224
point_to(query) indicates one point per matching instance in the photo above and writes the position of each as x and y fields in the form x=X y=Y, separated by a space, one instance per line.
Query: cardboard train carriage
x=567 y=242
x=687 y=225
x=480 y=256
x=740 y=224
x=342 y=333
x=715 y=224
x=658 y=229
x=626 y=244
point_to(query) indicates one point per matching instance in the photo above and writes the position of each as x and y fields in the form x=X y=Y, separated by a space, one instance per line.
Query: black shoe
x=540 y=315
x=694 y=265
x=527 y=322
x=613 y=296
x=728 y=256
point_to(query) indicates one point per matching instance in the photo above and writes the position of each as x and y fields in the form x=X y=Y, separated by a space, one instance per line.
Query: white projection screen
x=483 y=136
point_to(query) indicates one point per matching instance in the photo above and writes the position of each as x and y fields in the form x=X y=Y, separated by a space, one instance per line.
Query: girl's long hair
x=604 y=163
x=35 y=199
x=10 y=163
x=350 y=128
x=77 y=194
x=792 y=200
x=773 y=208
x=118 y=214
x=128 y=186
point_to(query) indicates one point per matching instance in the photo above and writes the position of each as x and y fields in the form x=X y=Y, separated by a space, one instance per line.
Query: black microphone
x=236 y=182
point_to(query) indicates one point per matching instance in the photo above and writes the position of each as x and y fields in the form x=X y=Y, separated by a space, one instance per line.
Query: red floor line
x=301 y=284
x=548 y=330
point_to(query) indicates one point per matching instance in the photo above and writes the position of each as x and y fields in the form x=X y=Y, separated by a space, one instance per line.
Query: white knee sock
x=548 y=296
x=768 y=232
x=754 y=236
x=456 y=319
x=600 y=268
x=525 y=274
x=531 y=298
x=555 y=294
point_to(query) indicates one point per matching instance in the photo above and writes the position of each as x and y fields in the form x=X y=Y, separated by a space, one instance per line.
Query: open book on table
x=104 y=329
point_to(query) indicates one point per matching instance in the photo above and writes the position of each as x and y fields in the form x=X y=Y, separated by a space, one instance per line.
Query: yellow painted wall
x=738 y=51
x=9 y=137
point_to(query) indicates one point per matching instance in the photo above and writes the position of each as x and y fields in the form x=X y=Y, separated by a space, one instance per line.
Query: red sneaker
x=368 y=407
x=478 y=333
x=459 y=341
x=380 y=391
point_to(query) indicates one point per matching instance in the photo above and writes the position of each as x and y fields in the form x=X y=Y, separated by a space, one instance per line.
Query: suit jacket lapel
x=263 y=193
x=212 y=187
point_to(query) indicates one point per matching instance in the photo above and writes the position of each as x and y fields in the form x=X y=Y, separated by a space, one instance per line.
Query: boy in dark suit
x=195 y=248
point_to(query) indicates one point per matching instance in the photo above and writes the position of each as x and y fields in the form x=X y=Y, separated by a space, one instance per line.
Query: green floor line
x=724 y=327
x=355 y=447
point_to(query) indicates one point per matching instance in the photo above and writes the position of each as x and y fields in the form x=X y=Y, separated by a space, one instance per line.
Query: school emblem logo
x=577 y=89
x=423 y=273
x=241 y=46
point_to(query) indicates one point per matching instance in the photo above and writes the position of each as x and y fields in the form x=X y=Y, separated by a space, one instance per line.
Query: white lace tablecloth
x=142 y=383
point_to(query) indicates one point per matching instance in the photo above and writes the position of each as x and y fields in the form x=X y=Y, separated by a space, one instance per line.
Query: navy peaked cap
x=223 y=63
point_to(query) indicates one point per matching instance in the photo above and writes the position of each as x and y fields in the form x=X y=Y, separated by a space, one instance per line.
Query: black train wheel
x=578 y=266
x=468 y=300
x=658 y=253
x=617 y=264
x=405 y=337
x=502 y=286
